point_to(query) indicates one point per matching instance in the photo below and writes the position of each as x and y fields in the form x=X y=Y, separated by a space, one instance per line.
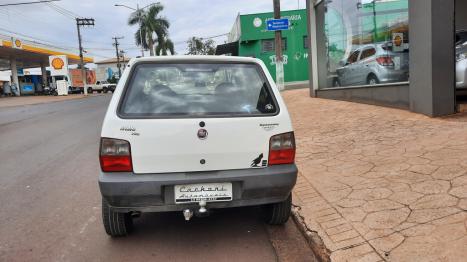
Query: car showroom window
x=379 y=29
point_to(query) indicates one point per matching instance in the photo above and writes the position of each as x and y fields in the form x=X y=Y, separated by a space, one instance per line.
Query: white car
x=101 y=86
x=461 y=61
x=194 y=133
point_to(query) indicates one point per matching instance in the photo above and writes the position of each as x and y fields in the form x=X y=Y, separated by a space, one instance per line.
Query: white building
x=106 y=69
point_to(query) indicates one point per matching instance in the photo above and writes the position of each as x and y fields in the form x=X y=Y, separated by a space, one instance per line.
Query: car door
x=363 y=66
x=163 y=142
x=352 y=69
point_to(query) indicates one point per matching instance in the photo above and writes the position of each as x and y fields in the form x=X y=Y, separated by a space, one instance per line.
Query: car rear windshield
x=196 y=90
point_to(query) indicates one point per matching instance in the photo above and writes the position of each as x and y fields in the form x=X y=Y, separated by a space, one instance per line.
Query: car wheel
x=278 y=213
x=336 y=82
x=105 y=90
x=116 y=224
x=372 y=80
x=90 y=90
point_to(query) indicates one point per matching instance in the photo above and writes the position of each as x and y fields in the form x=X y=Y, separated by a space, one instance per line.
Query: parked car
x=169 y=144
x=373 y=64
x=101 y=86
x=461 y=61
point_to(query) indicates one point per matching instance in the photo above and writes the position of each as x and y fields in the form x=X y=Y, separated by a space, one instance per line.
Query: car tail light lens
x=385 y=61
x=282 y=149
x=115 y=155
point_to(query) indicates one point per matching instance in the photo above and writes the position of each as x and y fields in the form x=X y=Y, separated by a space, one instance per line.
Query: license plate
x=212 y=192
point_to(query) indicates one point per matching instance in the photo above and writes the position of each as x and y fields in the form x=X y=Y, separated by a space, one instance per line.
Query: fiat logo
x=202 y=134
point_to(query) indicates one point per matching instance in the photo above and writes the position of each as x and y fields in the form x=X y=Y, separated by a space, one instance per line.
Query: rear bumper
x=155 y=192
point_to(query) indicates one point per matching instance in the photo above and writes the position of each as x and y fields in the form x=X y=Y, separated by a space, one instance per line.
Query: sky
x=200 y=18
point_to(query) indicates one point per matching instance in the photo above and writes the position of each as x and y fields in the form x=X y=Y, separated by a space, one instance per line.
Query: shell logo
x=18 y=43
x=398 y=40
x=57 y=63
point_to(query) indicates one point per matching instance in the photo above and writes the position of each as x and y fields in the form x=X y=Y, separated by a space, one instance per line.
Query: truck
x=74 y=80
x=101 y=86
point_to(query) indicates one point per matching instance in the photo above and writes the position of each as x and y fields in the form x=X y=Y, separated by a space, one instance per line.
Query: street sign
x=278 y=24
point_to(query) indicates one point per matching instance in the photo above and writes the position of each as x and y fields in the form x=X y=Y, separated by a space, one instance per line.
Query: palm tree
x=165 y=44
x=150 y=22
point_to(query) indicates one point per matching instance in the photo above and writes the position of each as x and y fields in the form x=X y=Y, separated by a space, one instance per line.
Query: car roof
x=195 y=58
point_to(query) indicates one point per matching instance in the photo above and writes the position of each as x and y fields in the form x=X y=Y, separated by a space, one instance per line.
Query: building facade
x=398 y=53
x=254 y=40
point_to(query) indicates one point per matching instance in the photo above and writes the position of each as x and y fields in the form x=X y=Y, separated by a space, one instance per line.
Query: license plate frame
x=209 y=192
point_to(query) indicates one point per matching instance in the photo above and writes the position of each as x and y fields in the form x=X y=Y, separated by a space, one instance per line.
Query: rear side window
x=368 y=53
x=196 y=90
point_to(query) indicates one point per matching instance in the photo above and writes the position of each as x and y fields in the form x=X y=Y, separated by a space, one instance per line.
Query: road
x=50 y=202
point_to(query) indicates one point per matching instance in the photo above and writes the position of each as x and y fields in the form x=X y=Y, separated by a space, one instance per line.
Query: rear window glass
x=191 y=90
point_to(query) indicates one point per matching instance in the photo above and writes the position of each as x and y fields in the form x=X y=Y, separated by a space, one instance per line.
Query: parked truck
x=101 y=86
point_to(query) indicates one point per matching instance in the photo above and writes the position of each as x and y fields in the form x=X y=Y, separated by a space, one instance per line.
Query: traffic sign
x=278 y=24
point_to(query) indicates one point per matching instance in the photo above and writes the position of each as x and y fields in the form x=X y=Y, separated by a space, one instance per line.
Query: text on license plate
x=212 y=192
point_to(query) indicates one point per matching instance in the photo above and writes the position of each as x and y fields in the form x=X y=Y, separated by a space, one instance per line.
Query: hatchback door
x=198 y=117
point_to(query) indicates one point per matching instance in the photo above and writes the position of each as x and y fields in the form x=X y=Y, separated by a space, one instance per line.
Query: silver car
x=373 y=64
x=461 y=61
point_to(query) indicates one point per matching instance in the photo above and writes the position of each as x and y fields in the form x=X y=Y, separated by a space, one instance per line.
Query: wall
x=253 y=31
x=461 y=14
x=391 y=96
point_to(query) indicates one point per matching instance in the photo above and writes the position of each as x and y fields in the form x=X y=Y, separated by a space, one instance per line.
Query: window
x=369 y=52
x=268 y=45
x=353 y=58
x=197 y=90
x=379 y=29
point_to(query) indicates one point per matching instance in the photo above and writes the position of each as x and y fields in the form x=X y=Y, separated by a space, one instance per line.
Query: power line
x=29 y=3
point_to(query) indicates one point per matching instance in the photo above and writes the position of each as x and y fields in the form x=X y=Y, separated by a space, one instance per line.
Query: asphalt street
x=50 y=201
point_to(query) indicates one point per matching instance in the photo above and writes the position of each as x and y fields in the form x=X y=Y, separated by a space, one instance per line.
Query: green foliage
x=198 y=46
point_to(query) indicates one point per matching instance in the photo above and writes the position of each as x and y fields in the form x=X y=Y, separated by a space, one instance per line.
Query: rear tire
x=105 y=90
x=90 y=90
x=372 y=80
x=116 y=224
x=278 y=213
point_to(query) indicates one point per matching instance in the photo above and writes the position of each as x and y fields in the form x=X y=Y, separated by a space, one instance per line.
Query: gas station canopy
x=30 y=54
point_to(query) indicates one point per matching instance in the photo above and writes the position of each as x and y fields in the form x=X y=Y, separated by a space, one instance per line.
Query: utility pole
x=83 y=22
x=116 y=44
x=278 y=47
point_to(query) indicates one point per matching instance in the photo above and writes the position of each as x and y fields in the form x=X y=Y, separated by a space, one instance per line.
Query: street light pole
x=83 y=22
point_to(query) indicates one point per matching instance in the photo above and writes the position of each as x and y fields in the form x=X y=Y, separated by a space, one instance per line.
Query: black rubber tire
x=374 y=78
x=90 y=90
x=116 y=224
x=105 y=90
x=278 y=213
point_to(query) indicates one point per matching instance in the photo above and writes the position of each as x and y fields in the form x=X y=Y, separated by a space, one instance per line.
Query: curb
x=314 y=240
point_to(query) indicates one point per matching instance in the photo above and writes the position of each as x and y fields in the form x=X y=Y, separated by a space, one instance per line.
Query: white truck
x=101 y=86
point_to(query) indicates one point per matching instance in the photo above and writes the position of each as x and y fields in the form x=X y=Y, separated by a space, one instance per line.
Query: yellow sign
x=16 y=43
x=57 y=63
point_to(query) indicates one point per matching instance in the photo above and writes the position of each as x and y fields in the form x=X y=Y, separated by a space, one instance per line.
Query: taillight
x=115 y=155
x=385 y=61
x=282 y=149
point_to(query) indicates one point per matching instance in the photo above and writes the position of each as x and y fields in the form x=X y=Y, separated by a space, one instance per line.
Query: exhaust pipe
x=188 y=214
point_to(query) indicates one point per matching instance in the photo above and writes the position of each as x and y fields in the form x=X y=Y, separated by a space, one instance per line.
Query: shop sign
x=285 y=59
x=58 y=65
x=16 y=43
x=398 y=42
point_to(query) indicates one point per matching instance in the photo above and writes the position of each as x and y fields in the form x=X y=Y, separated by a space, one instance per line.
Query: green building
x=249 y=37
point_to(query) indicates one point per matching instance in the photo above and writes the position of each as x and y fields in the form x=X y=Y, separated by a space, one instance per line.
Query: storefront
x=250 y=37
x=397 y=53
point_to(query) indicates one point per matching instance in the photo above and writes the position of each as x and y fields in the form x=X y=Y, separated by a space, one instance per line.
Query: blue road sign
x=278 y=24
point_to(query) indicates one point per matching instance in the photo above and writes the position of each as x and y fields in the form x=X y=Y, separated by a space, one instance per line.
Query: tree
x=165 y=44
x=150 y=24
x=198 y=46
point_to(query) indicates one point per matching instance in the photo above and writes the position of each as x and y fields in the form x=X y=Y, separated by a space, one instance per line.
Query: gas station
x=17 y=54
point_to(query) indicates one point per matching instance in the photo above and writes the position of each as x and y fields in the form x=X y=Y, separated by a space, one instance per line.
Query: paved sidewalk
x=380 y=184
x=31 y=100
